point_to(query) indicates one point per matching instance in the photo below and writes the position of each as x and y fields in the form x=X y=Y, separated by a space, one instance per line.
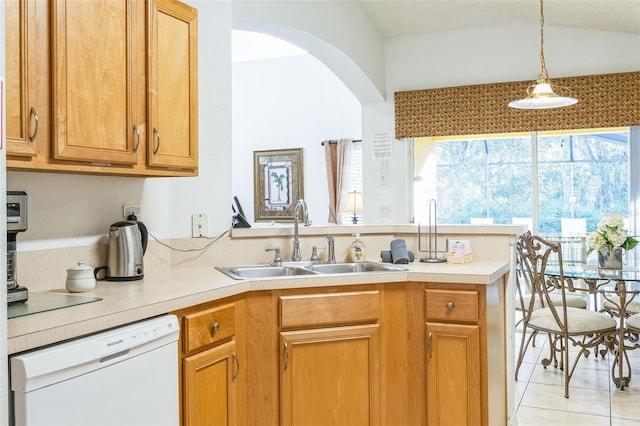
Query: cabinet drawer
x=451 y=305
x=210 y=326
x=321 y=310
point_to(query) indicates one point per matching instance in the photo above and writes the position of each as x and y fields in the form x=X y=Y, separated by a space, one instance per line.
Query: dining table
x=619 y=287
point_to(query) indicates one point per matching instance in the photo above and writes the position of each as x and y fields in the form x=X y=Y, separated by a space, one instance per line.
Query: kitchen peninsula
x=454 y=314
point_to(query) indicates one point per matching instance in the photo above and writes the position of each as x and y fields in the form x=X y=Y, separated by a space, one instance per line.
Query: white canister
x=80 y=278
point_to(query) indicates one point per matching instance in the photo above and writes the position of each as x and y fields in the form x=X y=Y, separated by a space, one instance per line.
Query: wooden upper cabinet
x=26 y=86
x=96 y=49
x=172 y=90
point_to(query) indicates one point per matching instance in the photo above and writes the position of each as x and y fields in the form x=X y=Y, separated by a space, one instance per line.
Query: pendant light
x=541 y=95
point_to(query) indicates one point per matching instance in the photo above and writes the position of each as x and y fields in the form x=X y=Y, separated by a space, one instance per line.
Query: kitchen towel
x=399 y=252
x=385 y=256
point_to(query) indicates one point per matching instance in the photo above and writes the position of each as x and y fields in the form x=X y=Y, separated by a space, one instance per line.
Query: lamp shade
x=354 y=204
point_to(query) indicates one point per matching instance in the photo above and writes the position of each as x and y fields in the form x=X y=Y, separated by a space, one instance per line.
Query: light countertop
x=172 y=289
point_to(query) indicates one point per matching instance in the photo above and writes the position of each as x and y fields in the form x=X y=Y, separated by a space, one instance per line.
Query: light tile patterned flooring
x=593 y=399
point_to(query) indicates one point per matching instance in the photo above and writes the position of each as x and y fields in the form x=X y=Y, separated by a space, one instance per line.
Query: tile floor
x=593 y=399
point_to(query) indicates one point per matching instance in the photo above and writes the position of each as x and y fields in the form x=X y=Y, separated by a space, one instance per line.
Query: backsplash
x=45 y=270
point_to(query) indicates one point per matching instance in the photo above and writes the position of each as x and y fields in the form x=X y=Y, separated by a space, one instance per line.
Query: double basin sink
x=300 y=269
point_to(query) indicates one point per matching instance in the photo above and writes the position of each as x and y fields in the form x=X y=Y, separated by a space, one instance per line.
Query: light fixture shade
x=542 y=95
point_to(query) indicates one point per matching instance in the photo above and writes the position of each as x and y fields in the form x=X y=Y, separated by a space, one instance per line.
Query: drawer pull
x=450 y=305
x=34 y=135
x=215 y=327
x=137 y=145
x=235 y=358
x=286 y=355
x=156 y=134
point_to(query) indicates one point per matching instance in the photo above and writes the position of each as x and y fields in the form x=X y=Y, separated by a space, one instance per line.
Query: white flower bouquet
x=610 y=233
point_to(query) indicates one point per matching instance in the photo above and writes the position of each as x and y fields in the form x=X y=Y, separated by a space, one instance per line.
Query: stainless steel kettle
x=127 y=245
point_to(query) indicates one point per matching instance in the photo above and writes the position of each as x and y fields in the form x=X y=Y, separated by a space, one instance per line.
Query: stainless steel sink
x=307 y=268
x=350 y=268
x=264 y=271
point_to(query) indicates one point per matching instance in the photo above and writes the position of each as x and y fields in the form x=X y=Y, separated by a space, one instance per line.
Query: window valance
x=605 y=100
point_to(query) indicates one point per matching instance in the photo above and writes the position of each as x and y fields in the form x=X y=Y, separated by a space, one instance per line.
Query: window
x=560 y=184
x=355 y=179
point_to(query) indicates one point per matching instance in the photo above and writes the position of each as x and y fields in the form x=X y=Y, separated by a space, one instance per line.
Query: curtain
x=605 y=100
x=338 y=158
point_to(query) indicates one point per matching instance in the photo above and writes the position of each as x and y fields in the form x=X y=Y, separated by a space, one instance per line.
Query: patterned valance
x=606 y=100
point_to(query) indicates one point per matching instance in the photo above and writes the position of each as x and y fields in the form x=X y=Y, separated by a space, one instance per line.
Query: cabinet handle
x=36 y=120
x=450 y=305
x=215 y=326
x=286 y=355
x=135 y=129
x=235 y=358
x=429 y=344
x=156 y=134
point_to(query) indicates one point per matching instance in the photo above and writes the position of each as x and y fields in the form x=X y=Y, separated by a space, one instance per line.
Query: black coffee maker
x=16 y=223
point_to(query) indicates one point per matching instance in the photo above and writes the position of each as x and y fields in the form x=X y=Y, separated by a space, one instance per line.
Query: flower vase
x=610 y=259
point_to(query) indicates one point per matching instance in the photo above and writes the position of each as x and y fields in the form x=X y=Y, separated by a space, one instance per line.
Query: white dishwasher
x=124 y=376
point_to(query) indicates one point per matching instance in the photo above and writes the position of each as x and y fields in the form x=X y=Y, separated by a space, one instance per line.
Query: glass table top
x=628 y=274
x=42 y=302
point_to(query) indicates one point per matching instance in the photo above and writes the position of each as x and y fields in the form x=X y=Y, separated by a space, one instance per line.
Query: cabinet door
x=94 y=51
x=173 y=90
x=330 y=376
x=453 y=374
x=209 y=386
x=27 y=75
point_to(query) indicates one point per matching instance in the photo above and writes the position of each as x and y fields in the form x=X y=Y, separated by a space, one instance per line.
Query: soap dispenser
x=358 y=252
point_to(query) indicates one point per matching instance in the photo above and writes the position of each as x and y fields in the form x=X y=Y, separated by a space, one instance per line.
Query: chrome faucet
x=314 y=254
x=295 y=255
x=331 y=256
x=277 y=260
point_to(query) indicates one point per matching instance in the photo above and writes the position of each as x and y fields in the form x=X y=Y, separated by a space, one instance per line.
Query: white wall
x=289 y=102
x=338 y=33
x=504 y=53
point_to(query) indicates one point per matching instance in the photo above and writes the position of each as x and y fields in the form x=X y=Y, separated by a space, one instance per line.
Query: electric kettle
x=127 y=245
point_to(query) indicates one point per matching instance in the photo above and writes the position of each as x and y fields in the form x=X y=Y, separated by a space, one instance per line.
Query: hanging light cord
x=543 y=65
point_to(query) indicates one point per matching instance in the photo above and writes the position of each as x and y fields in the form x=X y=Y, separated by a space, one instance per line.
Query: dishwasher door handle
x=117 y=355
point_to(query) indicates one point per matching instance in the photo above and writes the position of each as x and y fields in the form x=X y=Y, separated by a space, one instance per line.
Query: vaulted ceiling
x=400 y=17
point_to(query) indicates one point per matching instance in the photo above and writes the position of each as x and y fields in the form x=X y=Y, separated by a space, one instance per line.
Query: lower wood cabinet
x=210 y=363
x=424 y=354
x=209 y=386
x=454 y=391
x=455 y=358
x=330 y=376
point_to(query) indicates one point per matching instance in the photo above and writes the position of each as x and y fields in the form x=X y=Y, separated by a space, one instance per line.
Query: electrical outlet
x=453 y=245
x=127 y=209
x=199 y=225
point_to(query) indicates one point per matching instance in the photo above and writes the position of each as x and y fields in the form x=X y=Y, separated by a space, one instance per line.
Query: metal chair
x=526 y=302
x=633 y=324
x=562 y=323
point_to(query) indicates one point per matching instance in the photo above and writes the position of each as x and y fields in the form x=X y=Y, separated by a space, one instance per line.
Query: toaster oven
x=16 y=223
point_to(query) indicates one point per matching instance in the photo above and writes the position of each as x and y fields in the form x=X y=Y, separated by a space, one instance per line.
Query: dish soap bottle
x=358 y=252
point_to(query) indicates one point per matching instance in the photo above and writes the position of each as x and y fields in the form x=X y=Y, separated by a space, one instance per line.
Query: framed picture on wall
x=277 y=184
